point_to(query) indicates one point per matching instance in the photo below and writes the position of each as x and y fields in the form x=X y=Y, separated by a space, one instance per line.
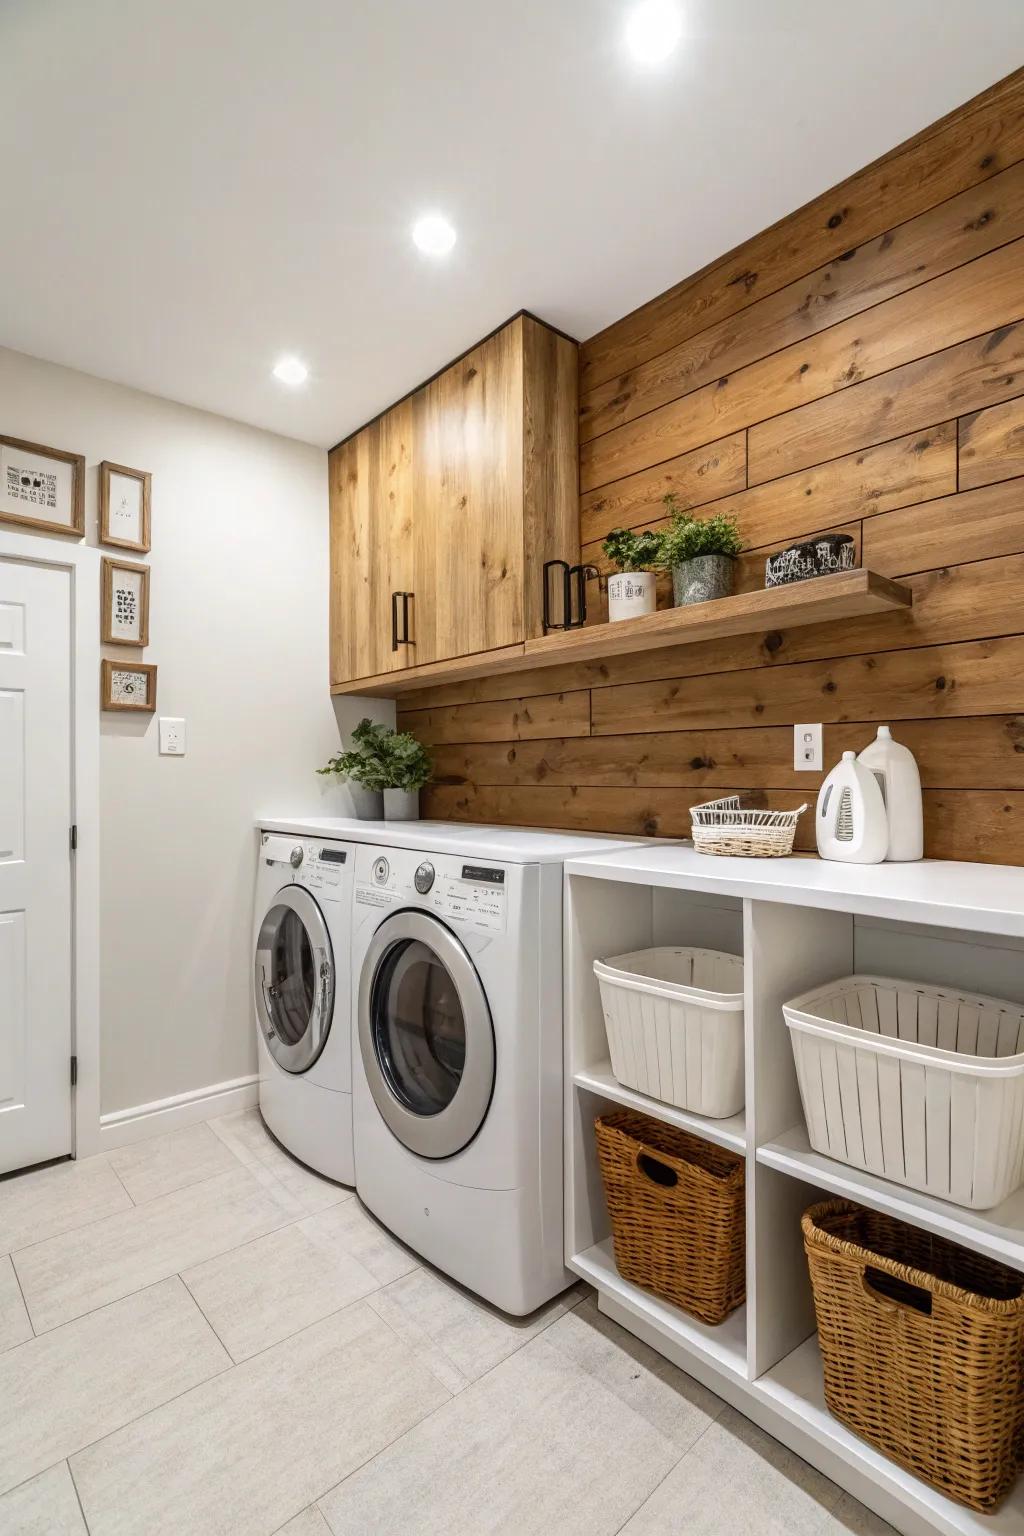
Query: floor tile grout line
x=21 y=1292
x=677 y=1463
x=78 y=1496
x=121 y=1181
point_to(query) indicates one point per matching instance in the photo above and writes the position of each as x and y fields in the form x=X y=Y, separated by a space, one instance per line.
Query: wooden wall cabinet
x=445 y=509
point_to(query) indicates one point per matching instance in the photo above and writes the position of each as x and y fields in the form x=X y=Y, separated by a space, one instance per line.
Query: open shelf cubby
x=764 y=1359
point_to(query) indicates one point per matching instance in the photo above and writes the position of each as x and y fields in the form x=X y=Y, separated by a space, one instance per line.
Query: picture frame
x=125 y=496
x=128 y=686
x=42 y=487
x=124 y=604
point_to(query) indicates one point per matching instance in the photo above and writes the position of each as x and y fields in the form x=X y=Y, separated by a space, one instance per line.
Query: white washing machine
x=302 y=995
x=457 y=1069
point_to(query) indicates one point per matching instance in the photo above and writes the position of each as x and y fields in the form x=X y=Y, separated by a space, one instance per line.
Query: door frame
x=83 y=563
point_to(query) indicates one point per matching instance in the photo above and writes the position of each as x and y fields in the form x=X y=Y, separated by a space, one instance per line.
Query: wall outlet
x=808 y=750
x=172 y=737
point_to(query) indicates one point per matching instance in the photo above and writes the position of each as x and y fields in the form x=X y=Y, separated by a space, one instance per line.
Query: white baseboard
x=125 y=1126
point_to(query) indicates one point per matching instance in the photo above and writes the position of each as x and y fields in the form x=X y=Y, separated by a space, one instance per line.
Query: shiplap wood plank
x=909 y=469
x=985 y=523
x=968 y=377
x=548 y=714
x=975 y=678
x=936 y=242
x=704 y=475
x=992 y=444
x=982 y=825
x=970 y=145
x=977 y=752
x=977 y=298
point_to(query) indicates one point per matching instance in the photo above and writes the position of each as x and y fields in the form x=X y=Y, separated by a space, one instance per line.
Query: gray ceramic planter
x=703 y=578
x=367 y=804
x=401 y=805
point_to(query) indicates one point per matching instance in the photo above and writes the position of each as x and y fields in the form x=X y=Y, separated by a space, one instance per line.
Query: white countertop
x=984 y=898
x=509 y=845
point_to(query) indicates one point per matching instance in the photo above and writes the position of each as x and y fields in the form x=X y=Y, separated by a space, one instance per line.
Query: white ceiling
x=193 y=187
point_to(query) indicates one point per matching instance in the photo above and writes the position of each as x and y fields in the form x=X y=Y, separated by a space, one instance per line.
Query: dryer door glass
x=294 y=979
x=425 y=1035
x=419 y=1028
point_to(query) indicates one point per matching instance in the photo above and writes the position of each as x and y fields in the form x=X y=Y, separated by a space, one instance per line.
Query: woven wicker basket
x=922 y=1347
x=722 y=826
x=677 y=1211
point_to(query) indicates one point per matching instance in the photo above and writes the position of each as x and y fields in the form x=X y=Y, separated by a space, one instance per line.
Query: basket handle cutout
x=893 y=1294
x=658 y=1173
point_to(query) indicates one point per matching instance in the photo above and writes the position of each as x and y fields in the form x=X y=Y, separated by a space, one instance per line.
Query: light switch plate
x=172 y=737
x=808 y=751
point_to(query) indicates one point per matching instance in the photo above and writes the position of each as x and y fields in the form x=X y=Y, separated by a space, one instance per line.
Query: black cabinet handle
x=403 y=638
x=405 y=619
x=549 y=622
x=582 y=574
x=394 y=620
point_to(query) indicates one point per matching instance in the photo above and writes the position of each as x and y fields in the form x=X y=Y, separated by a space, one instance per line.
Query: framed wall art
x=124 y=506
x=124 y=611
x=42 y=487
x=128 y=685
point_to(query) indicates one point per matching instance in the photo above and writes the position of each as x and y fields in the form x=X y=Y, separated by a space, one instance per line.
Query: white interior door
x=35 y=863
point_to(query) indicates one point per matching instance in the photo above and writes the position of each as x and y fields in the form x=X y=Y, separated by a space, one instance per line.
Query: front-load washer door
x=425 y=1035
x=294 y=979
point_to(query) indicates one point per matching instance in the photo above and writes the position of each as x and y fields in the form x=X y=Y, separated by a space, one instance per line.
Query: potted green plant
x=701 y=554
x=408 y=767
x=633 y=590
x=364 y=768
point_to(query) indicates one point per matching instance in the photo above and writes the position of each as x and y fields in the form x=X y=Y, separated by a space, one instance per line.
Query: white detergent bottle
x=895 y=768
x=850 y=821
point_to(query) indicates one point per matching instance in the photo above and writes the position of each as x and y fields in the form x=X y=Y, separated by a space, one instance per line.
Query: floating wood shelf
x=844 y=595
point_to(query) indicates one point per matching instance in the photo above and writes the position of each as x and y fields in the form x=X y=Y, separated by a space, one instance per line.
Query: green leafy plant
x=687 y=536
x=633 y=551
x=409 y=764
x=382 y=758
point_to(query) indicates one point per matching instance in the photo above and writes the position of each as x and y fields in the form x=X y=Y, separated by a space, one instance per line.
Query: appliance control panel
x=463 y=894
x=307 y=861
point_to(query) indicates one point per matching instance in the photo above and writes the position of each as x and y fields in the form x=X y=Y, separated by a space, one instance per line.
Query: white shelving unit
x=797 y=923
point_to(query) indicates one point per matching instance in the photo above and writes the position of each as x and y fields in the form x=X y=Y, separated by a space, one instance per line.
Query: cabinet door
x=468 y=520
x=372 y=548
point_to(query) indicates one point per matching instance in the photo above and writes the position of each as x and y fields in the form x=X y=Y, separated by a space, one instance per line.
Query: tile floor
x=199 y=1335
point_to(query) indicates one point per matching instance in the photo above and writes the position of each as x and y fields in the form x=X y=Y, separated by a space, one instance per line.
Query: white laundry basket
x=675 y=1026
x=923 y=1085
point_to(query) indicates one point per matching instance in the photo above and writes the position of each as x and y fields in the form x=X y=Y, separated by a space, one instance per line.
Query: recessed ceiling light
x=433 y=235
x=290 y=371
x=653 y=30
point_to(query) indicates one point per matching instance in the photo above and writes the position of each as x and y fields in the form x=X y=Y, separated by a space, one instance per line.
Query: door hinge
x=74 y=839
x=74 y=1071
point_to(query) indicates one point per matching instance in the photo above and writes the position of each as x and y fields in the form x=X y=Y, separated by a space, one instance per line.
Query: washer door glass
x=294 y=979
x=425 y=1035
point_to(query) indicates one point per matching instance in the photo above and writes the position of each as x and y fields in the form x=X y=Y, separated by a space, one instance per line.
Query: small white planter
x=401 y=805
x=367 y=804
x=631 y=594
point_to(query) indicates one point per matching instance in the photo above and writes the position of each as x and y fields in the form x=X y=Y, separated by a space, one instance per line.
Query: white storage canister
x=674 y=1018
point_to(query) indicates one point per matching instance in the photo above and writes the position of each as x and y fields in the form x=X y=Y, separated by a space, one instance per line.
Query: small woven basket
x=722 y=826
x=677 y=1211
x=922 y=1347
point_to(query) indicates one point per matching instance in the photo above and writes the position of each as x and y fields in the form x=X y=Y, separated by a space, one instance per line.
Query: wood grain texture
x=944 y=238
x=970 y=145
x=859 y=366
x=694 y=478
x=953 y=382
x=978 y=752
x=973 y=299
x=548 y=714
x=550 y=517
x=992 y=444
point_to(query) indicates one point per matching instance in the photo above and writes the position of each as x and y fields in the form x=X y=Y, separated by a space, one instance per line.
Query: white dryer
x=302 y=997
x=457 y=1073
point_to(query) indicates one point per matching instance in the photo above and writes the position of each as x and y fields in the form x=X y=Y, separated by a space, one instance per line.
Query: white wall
x=238 y=628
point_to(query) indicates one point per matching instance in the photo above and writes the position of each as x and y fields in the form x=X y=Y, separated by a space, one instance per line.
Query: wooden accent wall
x=860 y=366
